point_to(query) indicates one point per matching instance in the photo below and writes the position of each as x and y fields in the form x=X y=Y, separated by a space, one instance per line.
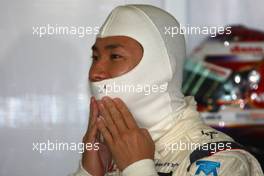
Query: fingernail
x=100 y=118
x=101 y=104
x=106 y=98
x=92 y=98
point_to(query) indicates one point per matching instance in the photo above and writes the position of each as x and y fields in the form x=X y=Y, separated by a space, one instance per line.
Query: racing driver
x=143 y=124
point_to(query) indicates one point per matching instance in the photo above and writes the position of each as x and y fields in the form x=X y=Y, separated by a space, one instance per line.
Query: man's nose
x=99 y=71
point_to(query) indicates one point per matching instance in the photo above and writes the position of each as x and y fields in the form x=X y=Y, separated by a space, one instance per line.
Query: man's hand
x=95 y=161
x=127 y=142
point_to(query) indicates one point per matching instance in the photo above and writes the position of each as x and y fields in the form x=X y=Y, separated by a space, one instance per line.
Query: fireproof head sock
x=152 y=89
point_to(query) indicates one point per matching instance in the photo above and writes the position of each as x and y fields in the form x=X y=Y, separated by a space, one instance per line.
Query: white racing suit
x=192 y=148
x=184 y=144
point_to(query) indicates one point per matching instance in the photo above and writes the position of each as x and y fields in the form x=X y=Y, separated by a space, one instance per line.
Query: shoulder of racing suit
x=201 y=150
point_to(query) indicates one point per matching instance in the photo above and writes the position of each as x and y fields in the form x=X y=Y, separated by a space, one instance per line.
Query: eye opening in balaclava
x=123 y=43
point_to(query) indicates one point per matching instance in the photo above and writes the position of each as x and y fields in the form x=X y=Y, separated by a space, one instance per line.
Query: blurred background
x=43 y=78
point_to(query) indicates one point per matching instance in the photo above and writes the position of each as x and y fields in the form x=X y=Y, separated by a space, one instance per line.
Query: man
x=144 y=124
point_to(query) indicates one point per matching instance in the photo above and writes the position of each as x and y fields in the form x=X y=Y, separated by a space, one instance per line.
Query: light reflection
x=13 y=106
x=43 y=110
x=221 y=124
x=54 y=110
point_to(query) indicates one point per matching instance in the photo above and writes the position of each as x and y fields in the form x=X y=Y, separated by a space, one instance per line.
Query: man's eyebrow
x=113 y=46
x=110 y=46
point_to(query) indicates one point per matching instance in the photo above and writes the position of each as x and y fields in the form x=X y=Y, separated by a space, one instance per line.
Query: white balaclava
x=152 y=89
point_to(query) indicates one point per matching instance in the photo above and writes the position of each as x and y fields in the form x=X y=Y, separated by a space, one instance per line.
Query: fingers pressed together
x=114 y=118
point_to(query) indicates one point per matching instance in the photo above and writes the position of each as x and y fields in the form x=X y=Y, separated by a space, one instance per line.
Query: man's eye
x=115 y=56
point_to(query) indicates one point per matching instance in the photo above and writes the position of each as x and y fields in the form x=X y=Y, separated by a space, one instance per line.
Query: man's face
x=114 y=56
